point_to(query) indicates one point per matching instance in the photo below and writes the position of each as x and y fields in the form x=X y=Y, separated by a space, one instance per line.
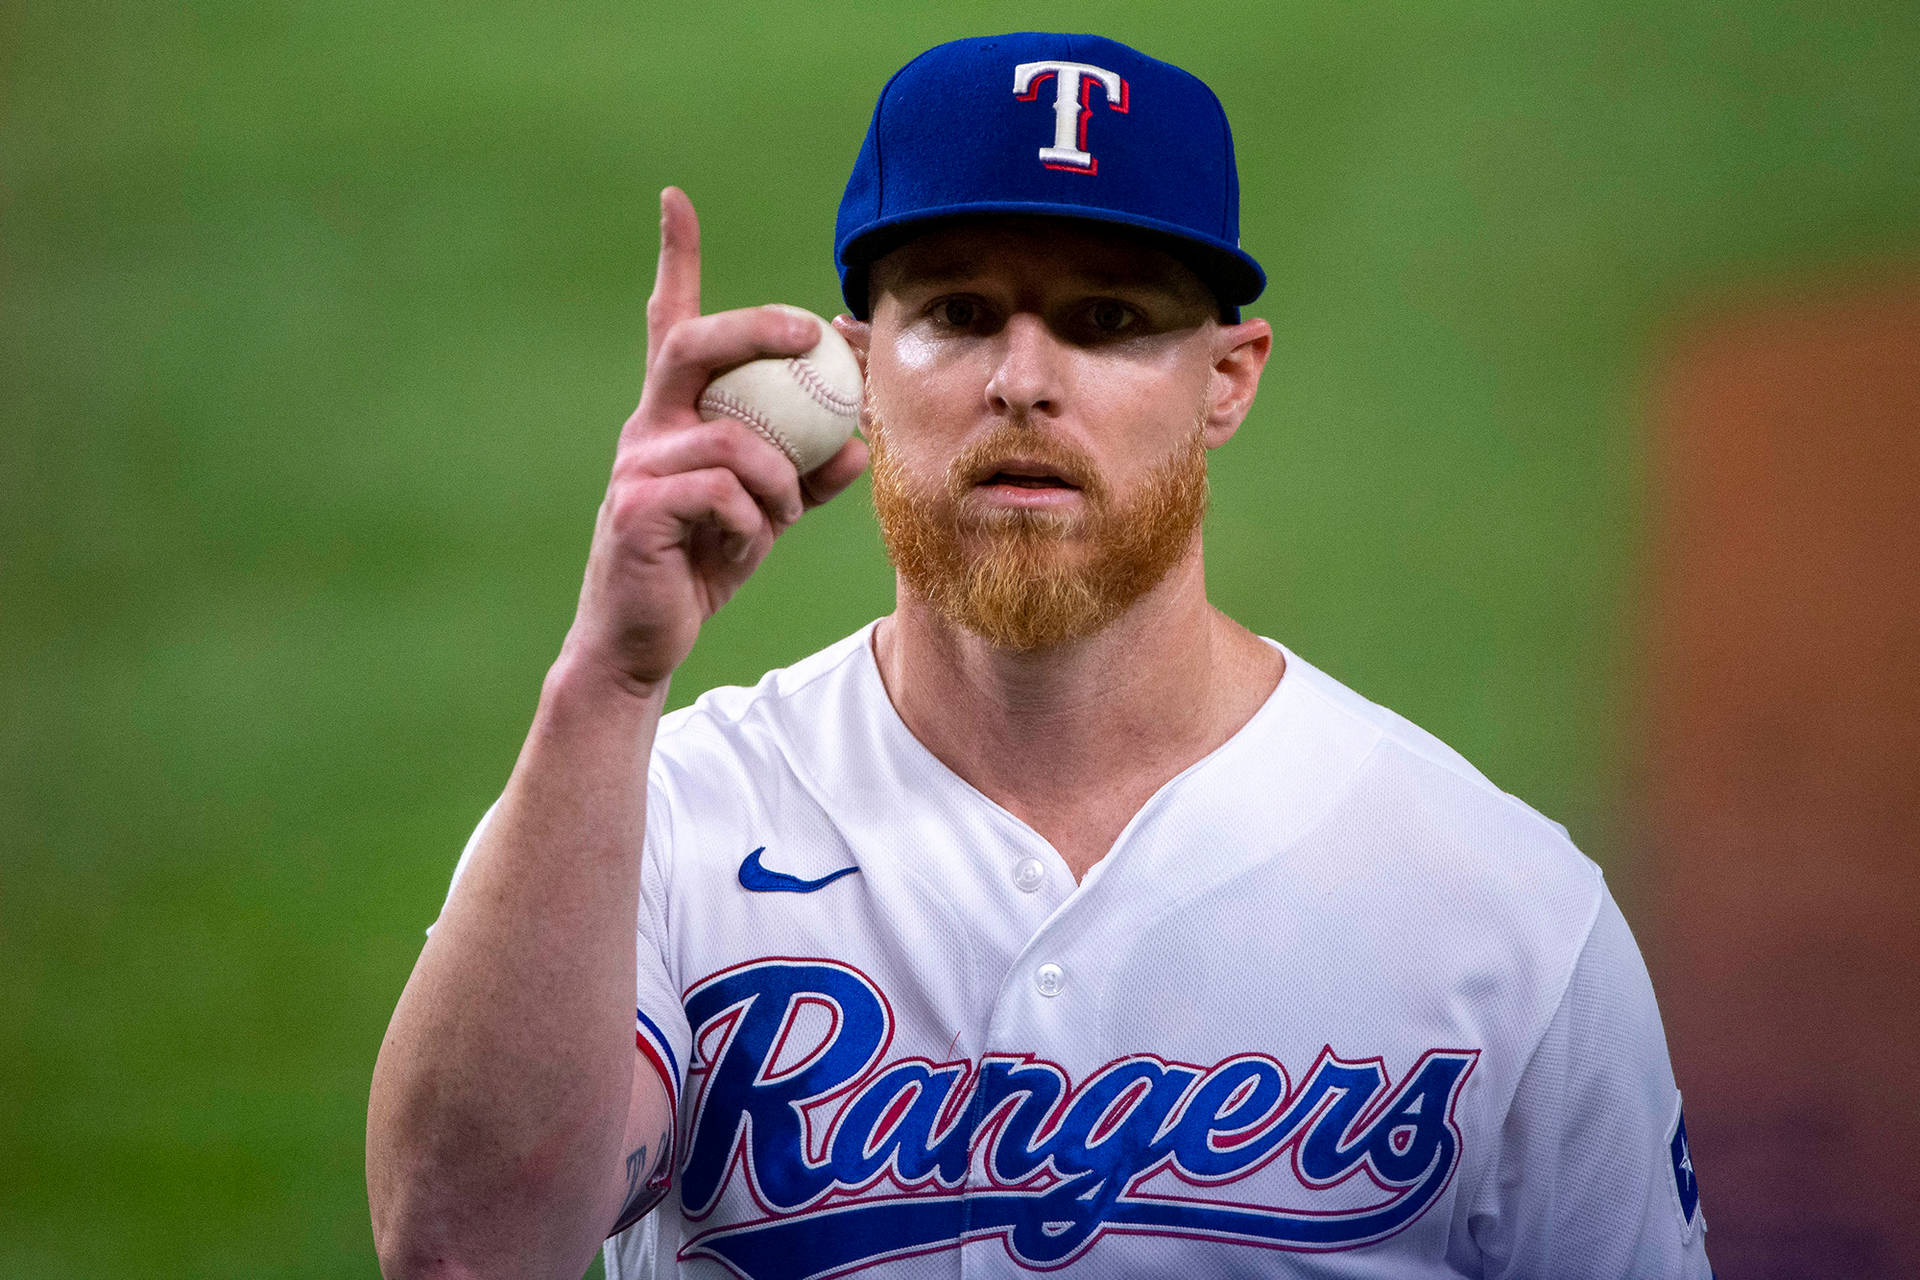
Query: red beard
x=1028 y=580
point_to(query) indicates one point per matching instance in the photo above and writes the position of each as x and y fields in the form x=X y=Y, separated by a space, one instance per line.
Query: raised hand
x=692 y=507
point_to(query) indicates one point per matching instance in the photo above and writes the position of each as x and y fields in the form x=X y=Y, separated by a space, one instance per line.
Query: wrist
x=579 y=681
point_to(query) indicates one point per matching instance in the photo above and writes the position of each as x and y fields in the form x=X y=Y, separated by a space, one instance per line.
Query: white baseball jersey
x=1332 y=1005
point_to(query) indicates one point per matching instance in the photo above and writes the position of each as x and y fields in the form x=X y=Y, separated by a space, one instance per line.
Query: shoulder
x=767 y=738
x=739 y=754
x=1397 y=733
x=1419 y=761
x=1437 y=820
x=737 y=716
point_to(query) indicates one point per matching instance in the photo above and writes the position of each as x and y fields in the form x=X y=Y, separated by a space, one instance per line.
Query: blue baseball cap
x=1069 y=126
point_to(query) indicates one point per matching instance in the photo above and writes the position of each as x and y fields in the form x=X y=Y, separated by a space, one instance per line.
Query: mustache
x=1019 y=437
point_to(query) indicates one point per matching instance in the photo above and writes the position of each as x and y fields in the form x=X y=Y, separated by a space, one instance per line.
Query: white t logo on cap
x=1073 y=86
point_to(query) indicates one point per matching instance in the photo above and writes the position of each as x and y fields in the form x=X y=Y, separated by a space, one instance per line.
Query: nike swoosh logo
x=760 y=880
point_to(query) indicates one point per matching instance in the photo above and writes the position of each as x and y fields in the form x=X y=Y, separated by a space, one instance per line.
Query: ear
x=1240 y=352
x=858 y=333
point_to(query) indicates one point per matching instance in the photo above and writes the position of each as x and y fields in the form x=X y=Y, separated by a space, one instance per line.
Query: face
x=1041 y=398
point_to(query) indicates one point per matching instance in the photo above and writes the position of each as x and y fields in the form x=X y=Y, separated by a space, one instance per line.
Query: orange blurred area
x=1781 y=774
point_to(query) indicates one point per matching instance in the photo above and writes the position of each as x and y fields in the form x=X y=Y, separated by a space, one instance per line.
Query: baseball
x=807 y=404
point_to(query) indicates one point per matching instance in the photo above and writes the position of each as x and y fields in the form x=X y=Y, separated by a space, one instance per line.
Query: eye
x=957 y=313
x=1110 y=318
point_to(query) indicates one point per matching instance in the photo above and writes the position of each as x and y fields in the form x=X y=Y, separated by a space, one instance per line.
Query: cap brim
x=1232 y=274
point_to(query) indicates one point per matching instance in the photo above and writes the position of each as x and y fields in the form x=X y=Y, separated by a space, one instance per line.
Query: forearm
x=506 y=1083
x=501 y=1089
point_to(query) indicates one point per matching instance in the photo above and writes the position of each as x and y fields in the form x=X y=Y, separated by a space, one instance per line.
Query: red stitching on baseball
x=721 y=402
x=816 y=386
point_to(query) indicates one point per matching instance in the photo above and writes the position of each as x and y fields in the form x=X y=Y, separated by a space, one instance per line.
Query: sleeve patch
x=1686 y=1185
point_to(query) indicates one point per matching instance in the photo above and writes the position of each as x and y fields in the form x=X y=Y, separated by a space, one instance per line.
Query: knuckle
x=715 y=485
x=726 y=444
x=633 y=464
x=628 y=505
x=683 y=340
x=638 y=425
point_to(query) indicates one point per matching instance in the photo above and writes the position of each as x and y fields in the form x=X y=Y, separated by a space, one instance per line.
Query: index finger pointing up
x=676 y=281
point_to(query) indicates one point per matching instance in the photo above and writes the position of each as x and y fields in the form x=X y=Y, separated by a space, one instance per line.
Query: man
x=1055 y=921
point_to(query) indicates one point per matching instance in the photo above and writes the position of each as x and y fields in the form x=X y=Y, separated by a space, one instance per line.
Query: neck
x=1074 y=738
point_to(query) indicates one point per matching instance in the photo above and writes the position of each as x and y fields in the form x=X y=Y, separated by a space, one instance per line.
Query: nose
x=1027 y=376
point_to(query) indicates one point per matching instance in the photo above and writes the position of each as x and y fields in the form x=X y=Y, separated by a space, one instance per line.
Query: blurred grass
x=316 y=326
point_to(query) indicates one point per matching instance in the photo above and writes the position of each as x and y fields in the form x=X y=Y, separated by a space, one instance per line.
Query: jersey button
x=1050 y=978
x=1028 y=874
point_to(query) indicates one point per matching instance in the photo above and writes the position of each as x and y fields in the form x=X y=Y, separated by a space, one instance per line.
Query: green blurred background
x=317 y=323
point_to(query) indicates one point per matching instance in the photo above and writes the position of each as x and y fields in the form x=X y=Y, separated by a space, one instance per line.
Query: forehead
x=1020 y=250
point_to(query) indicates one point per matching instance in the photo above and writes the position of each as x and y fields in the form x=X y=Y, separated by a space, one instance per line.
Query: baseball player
x=1055 y=922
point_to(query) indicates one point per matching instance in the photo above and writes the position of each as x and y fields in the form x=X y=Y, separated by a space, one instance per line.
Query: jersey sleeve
x=1595 y=1179
x=660 y=1034
x=466 y=856
x=660 y=1022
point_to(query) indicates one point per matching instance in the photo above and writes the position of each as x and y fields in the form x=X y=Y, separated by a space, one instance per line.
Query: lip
x=993 y=487
x=1022 y=466
x=1023 y=498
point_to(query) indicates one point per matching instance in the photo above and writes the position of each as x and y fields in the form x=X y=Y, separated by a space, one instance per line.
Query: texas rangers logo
x=851 y=1158
x=1074 y=83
